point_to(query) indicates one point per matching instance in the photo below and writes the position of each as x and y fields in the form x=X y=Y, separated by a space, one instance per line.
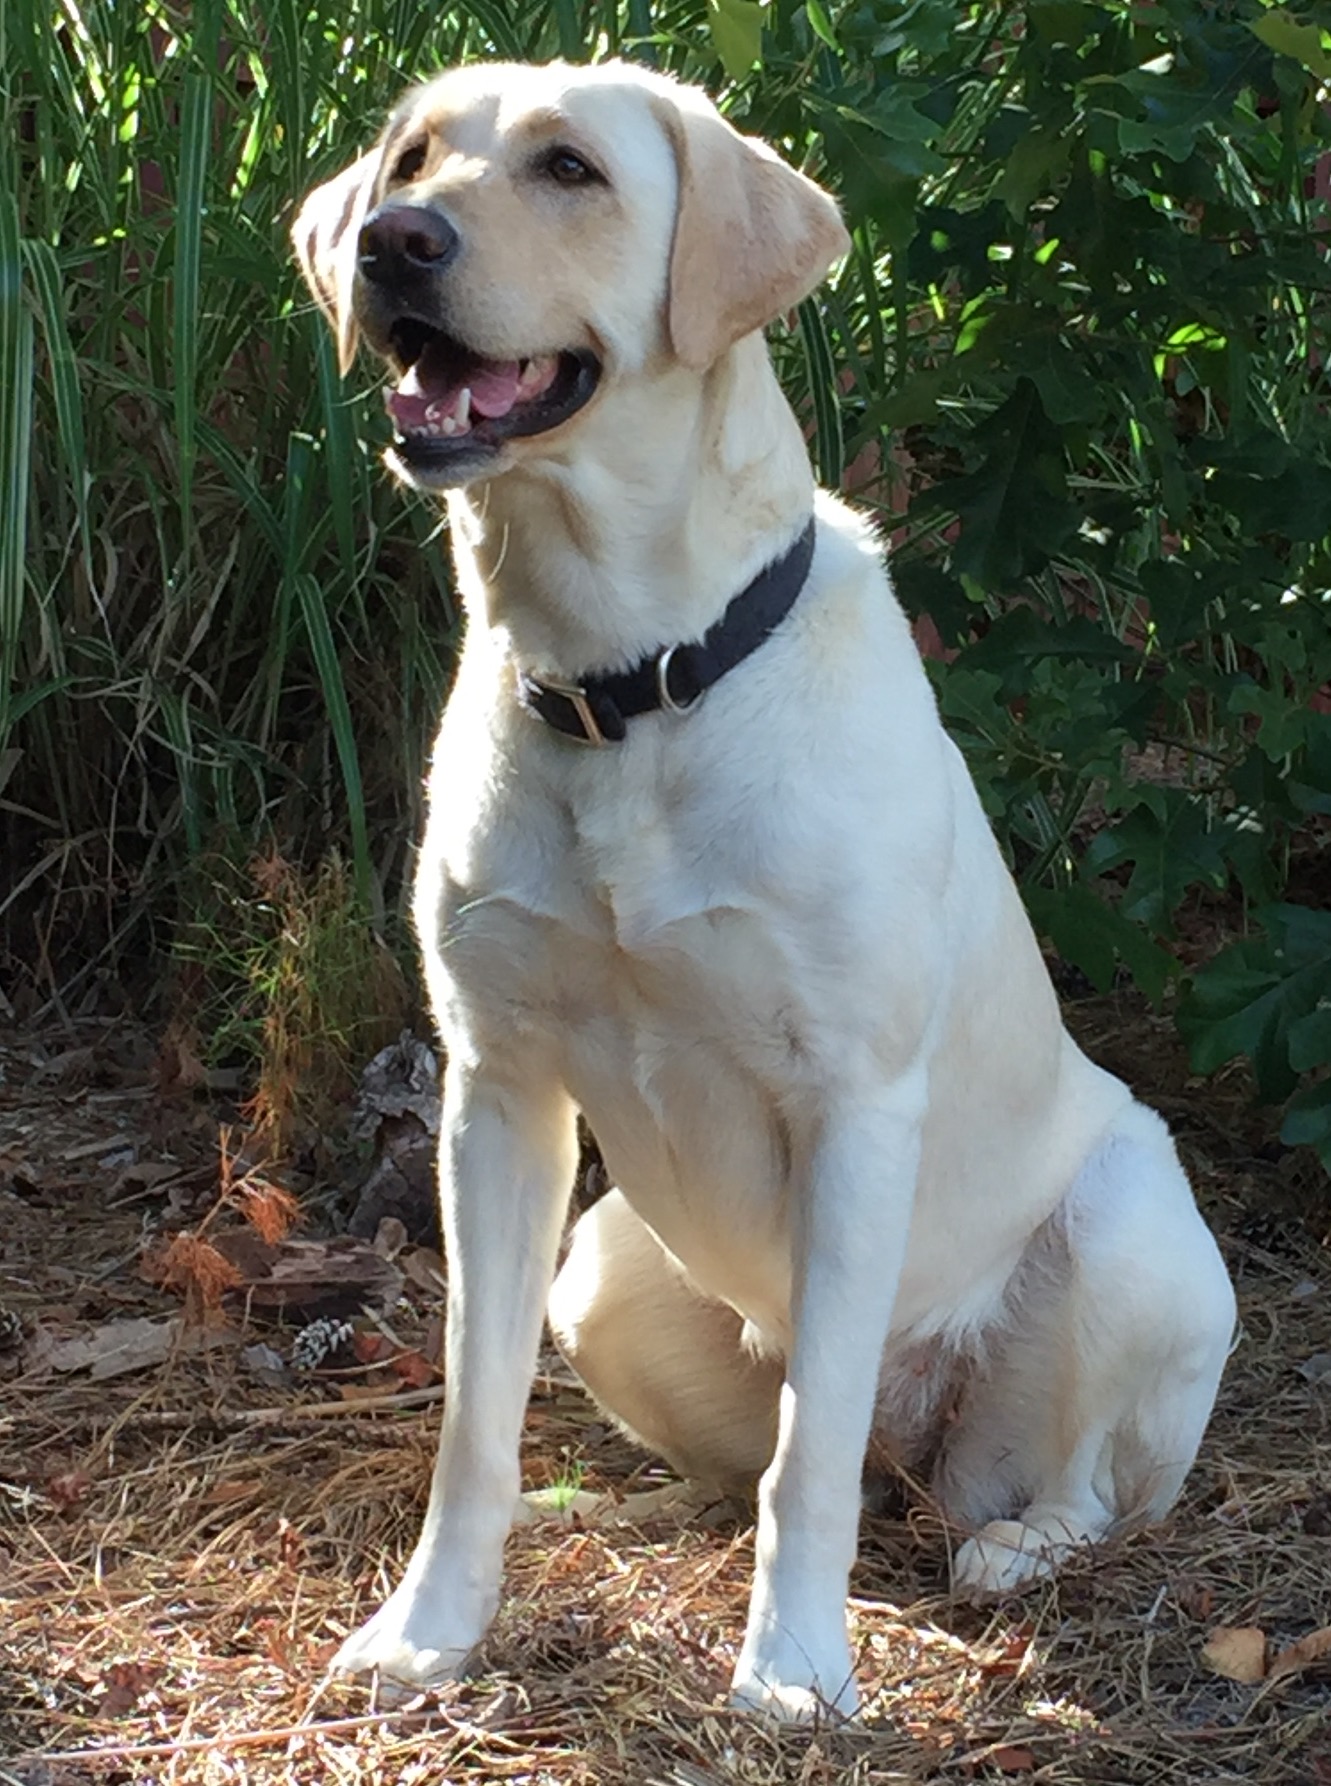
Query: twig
x=223 y=1740
x=172 y=1420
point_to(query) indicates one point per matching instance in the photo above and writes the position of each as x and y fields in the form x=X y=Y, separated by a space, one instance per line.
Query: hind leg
x=1090 y=1413
x=669 y=1364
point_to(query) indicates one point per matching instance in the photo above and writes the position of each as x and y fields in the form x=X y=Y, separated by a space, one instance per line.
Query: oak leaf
x=1238 y=1652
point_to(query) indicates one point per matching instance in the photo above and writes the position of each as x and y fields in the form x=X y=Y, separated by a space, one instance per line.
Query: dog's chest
x=631 y=941
x=680 y=1033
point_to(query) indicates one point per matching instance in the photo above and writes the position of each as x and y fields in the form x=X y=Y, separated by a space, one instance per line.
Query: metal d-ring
x=663 y=694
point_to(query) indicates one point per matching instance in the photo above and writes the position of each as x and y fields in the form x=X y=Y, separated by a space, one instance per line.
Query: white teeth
x=530 y=374
x=409 y=385
x=462 y=414
x=433 y=412
x=448 y=425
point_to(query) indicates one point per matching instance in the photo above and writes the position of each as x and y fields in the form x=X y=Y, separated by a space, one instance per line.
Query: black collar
x=595 y=710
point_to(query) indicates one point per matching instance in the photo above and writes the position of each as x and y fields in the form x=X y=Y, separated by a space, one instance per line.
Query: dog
x=702 y=863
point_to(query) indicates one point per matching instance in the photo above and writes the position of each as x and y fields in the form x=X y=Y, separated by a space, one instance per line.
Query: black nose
x=399 y=241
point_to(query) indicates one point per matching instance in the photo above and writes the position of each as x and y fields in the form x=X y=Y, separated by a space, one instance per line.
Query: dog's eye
x=567 y=168
x=410 y=162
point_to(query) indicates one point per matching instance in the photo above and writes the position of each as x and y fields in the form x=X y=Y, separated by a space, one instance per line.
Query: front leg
x=849 y=1247
x=507 y=1158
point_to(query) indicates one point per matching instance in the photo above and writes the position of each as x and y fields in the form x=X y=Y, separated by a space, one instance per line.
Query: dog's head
x=523 y=238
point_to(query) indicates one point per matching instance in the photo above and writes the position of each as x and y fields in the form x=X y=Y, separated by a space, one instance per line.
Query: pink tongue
x=494 y=387
x=409 y=411
x=494 y=391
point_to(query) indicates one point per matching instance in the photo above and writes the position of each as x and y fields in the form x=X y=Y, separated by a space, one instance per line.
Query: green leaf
x=1168 y=856
x=1035 y=163
x=1013 y=506
x=1062 y=21
x=191 y=207
x=1094 y=936
x=829 y=453
x=1280 y=31
x=16 y=370
x=1069 y=391
x=736 y=27
x=1310 y=1039
x=1308 y=1120
x=1252 y=998
x=1022 y=637
x=1294 y=501
x=1179 y=594
x=820 y=24
x=1282 y=725
x=51 y=303
x=880 y=173
x=320 y=634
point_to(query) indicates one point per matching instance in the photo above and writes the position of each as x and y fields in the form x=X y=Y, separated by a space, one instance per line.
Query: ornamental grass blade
x=320 y=634
x=15 y=447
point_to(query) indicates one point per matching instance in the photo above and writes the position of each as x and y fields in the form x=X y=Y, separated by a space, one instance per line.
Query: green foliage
x=1269 y=998
x=1076 y=359
x=277 y=970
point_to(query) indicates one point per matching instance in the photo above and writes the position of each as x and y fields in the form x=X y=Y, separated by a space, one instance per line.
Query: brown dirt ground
x=182 y=1549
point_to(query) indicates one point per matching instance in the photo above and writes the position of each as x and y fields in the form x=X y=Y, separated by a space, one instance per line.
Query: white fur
x=868 y=1187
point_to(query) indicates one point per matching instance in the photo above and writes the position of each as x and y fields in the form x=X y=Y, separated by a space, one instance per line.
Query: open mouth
x=451 y=402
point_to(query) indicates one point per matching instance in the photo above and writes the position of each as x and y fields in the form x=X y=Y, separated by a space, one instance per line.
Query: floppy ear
x=325 y=234
x=752 y=237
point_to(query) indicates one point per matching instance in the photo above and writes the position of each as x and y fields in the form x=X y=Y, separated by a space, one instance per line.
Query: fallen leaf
x=76 y=1066
x=1317 y=1516
x=68 y=1488
x=1238 y=1652
x=178 y=1067
x=1009 y=1759
x=414 y=1368
x=364 y=1392
x=1195 y=1599
x=310 y=1277
x=118 y=1347
x=390 y=1237
x=1013 y=1655
x=1316 y=1369
x=221 y=1494
x=1306 y=1653
x=397 y=1108
x=124 y=1683
x=424 y=1268
x=401 y=1080
x=267 y=1364
x=371 y=1348
x=141 y=1177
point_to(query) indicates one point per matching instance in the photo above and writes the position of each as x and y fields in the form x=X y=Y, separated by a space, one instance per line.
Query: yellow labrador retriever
x=702 y=863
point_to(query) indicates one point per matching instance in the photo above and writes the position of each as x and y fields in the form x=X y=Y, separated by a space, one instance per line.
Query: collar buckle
x=532 y=690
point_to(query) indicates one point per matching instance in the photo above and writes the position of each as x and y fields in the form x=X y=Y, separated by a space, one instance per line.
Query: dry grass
x=176 y=1568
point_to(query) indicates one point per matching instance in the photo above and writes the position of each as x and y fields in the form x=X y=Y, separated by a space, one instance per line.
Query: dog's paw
x=403 y=1647
x=789 y=1702
x=1004 y=1555
x=784 y=1687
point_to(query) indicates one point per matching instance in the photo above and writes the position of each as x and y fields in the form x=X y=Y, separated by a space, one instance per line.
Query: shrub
x=1075 y=359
